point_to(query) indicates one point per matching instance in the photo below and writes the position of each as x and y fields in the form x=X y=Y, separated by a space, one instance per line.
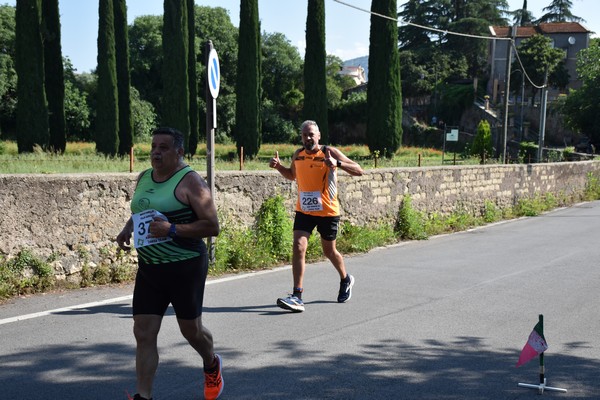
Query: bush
x=482 y=144
x=274 y=229
x=410 y=223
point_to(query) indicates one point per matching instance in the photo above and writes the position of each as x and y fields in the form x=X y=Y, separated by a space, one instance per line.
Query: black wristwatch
x=172 y=231
x=339 y=163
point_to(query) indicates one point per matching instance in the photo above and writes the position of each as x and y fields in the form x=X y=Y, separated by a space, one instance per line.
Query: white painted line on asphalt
x=59 y=310
x=127 y=298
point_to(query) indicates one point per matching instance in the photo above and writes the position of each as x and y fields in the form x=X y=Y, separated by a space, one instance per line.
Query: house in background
x=568 y=36
x=356 y=72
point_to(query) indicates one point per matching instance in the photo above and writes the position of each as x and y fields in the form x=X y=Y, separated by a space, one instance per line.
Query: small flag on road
x=536 y=344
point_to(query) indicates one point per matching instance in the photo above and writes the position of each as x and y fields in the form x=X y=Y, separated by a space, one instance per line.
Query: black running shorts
x=326 y=226
x=178 y=283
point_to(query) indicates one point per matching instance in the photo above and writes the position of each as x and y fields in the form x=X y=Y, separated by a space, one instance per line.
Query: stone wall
x=75 y=217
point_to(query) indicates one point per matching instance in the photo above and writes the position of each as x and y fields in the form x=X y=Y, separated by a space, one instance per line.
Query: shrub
x=482 y=144
x=274 y=229
x=410 y=223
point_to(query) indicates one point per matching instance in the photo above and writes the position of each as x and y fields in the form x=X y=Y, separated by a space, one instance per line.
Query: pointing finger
x=277 y=154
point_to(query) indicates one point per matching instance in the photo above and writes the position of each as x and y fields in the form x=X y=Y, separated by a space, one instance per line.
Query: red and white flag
x=536 y=344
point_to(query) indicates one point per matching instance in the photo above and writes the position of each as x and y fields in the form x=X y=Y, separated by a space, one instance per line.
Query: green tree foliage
x=144 y=117
x=176 y=95
x=315 y=76
x=482 y=143
x=192 y=78
x=582 y=107
x=146 y=58
x=474 y=51
x=559 y=11
x=247 y=112
x=538 y=57
x=54 y=75
x=85 y=90
x=32 y=109
x=384 y=96
x=214 y=24
x=281 y=67
x=77 y=113
x=8 y=74
x=336 y=83
x=107 y=116
x=522 y=16
x=418 y=12
x=123 y=77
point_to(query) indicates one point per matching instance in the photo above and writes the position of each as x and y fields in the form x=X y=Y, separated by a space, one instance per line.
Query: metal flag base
x=542 y=386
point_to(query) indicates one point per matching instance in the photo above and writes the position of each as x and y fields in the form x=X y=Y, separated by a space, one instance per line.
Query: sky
x=347 y=29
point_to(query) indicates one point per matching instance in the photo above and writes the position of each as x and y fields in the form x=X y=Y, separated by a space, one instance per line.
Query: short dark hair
x=174 y=133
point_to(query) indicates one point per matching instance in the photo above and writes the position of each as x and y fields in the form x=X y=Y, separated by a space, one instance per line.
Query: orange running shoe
x=213 y=381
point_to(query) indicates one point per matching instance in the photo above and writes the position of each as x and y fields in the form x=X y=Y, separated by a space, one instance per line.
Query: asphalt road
x=444 y=318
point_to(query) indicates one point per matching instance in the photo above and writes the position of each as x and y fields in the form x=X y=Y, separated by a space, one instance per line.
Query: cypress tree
x=247 y=109
x=32 y=108
x=384 y=95
x=123 y=77
x=107 y=117
x=54 y=75
x=315 y=74
x=176 y=97
x=193 y=83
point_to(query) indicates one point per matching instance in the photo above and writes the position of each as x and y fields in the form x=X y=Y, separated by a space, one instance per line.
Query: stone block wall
x=76 y=217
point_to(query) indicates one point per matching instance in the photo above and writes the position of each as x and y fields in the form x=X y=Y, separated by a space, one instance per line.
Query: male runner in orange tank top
x=314 y=168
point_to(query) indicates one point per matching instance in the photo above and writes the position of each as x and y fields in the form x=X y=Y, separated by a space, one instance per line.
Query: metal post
x=543 y=118
x=522 y=98
x=210 y=146
x=513 y=33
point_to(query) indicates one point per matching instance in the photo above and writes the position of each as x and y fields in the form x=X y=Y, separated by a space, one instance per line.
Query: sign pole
x=213 y=80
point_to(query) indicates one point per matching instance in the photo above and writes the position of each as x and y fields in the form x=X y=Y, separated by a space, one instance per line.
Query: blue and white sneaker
x=292 y=303
x=345 y=290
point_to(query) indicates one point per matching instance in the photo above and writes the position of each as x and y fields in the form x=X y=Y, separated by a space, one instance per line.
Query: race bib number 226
x=311 y=201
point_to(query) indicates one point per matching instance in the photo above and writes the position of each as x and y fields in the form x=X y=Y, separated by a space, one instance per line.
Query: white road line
x=127 y=298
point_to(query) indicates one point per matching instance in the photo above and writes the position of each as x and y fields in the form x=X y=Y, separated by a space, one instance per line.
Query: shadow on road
x=461 y=369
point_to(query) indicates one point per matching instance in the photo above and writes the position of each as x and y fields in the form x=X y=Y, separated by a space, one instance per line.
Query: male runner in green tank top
x=172 y=211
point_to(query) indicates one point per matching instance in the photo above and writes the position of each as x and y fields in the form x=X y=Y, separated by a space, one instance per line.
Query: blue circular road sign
x=214 y=74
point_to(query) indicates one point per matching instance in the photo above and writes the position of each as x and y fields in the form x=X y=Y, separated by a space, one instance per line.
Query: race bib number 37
x=141 y=222
x=311 y=201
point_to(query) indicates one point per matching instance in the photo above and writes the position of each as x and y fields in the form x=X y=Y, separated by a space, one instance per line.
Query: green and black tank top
x=160 y=196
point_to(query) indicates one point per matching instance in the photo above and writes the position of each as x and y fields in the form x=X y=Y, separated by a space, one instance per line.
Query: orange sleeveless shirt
x=317 y=185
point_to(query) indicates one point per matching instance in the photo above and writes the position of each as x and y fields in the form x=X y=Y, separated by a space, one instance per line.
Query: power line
x=446 y=32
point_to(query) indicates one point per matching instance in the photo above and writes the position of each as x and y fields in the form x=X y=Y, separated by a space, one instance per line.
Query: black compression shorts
x=326 y=226
x=178 y=283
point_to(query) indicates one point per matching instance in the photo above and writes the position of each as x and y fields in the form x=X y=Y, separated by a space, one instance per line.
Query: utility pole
x=540 y=153
x=513 y=33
